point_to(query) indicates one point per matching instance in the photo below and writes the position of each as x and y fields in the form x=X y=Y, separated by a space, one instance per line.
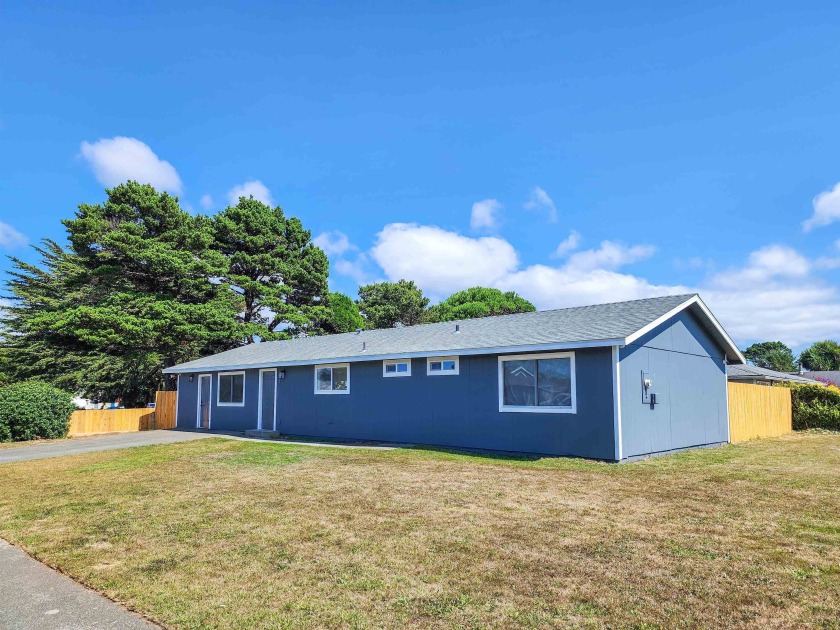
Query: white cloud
x=252 y=188
x=569 y=244
x=483 y=214
x=116 y=160
x=10 y=238
x=765 y=264
x=334 y=243
x=442 y=261
x=357 y=269
x=610 y=255
x=540 y=200
x=206 y=202
x=826 y=209
x=774 y=295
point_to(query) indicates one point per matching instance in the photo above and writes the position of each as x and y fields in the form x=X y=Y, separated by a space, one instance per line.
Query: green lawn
x=222 y=533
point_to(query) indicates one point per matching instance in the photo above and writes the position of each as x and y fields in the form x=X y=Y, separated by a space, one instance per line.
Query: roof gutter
x=186 y=368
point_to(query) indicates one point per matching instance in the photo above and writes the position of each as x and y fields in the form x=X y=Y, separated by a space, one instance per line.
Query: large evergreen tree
x=280 y=276
x=478 y=302
x=385 y=304
x=821 y=356
x=136 y=291
x=342 y=315
x=772 y=355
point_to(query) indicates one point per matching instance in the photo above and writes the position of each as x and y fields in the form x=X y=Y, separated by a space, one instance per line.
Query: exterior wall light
x=281 y=375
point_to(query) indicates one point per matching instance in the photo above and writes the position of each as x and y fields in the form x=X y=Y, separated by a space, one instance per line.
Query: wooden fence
x=89 y=421
x=757 y=411
x=165 y=410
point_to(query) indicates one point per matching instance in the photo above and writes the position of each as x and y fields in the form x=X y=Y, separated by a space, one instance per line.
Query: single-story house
x=609 y=381
x=826 y=377
x=755 y=375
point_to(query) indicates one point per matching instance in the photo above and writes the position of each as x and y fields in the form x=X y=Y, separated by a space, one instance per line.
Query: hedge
x=815 y=407
x=32 y=410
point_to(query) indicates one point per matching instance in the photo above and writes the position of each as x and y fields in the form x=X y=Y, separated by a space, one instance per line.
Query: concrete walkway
x=92 y=444
x=34 y=596
x=95 y=443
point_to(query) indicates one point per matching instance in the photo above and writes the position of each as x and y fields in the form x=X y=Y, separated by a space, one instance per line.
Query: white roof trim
x=407 y=355
x=732 y=350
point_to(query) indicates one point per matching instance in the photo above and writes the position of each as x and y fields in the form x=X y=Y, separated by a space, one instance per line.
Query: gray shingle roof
x=569 y=327
x=750 y=372
x=832 y=376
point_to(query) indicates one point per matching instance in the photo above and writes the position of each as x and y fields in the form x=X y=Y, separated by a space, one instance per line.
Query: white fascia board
x=730 y=347
x=600 y=343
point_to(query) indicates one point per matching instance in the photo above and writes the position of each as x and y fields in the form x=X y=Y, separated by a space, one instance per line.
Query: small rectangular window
x=231 y=389
x=442 y=366
x=537 y=383
x=332 y=379
x=396 y=368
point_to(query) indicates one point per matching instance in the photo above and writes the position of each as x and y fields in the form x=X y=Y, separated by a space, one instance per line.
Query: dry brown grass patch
x=234 y=534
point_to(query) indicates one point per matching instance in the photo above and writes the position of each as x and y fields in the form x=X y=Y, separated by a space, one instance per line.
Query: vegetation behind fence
x=757 y=411
x=89 y=421
x=816 y=407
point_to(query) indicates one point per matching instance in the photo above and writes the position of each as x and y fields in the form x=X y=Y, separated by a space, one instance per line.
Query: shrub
x=815 y=407
x=34 y=409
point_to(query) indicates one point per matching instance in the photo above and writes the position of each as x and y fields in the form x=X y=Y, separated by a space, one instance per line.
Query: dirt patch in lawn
x=238 y=534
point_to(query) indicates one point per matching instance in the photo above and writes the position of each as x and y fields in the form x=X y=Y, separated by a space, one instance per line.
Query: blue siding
x=689 y=377
x=222 y=418
x=459 y=411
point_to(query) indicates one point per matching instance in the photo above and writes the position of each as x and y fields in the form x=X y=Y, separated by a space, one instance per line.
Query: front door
x=268 y=385
x=204 y=382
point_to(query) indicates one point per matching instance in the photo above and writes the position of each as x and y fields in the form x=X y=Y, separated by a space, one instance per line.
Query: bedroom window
x=332 y=379
x=442 y=366
x=537 y=383
x=396 y=368
x=231 y=390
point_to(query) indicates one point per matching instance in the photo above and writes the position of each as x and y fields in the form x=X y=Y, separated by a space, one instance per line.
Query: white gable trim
x=732 y=350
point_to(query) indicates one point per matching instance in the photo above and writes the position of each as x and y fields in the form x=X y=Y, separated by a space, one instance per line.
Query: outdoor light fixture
x=281 y=375
x=191 y=378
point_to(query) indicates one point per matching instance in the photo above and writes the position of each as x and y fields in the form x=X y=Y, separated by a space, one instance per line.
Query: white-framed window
x=231 y=389
x=442 y=366
x=332 y=379
x=396 y=367
x=538 y=383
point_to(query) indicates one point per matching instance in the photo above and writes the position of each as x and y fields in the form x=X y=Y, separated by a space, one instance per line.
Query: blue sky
x=575 y=152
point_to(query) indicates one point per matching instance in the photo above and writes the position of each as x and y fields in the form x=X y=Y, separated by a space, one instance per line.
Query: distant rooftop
x=752 y=372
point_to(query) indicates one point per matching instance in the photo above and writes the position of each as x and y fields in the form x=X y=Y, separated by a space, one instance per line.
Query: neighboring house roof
x=618 y=323
x=752 y=372
x=832 y=376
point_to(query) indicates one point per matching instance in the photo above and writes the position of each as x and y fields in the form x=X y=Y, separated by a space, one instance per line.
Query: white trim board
x=616 y=372
x=693 y=300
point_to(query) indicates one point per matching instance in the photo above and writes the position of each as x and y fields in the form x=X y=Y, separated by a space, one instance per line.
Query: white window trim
x=430 y=360
x=536 y=409
x=396 y=362
x=330 y=391
x=219 y=389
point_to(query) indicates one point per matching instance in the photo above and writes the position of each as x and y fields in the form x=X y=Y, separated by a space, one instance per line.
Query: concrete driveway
x=34 y=596
x=75 y=446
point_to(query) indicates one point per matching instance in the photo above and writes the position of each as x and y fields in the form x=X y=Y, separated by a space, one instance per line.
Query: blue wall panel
x=689 y=378
x=460 y=410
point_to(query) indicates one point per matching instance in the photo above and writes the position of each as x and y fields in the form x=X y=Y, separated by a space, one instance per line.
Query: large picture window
x=231 y=389
x=541 y=383
x=332 y=379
